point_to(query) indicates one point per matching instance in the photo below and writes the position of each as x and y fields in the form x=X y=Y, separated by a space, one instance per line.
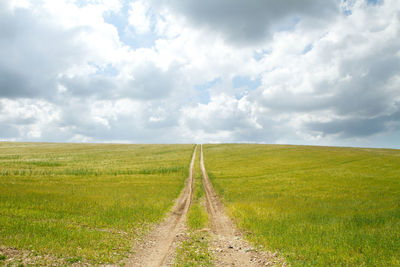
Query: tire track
x=229 y=248
x=220 y=223
x=158 y=247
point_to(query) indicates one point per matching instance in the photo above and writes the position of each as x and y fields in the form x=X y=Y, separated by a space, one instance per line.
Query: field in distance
x=65 y=203
x=317 y=206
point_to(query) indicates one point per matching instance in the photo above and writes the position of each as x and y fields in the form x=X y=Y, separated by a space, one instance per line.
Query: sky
x=311 y=72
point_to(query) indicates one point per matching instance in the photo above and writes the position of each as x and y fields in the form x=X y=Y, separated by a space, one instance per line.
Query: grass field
x=84 y=202
x=318 y=206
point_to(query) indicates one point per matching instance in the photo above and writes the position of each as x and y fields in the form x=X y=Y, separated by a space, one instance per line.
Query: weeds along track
x=158 y=247
x=230 y=249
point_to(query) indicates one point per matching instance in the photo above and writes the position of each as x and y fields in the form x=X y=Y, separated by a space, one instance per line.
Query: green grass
x=194 y=250
x=197 y=216
x=319 y=206
x=86 y=202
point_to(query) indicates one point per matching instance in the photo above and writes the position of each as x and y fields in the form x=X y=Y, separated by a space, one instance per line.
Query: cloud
x=358 y=127
x=222 y=119
x=346 y=85
x=38 y=48
x=139 y=18
x=150 y=82
x=29 y=65
x=26 y=118
x=252 y=21
x=304 y=72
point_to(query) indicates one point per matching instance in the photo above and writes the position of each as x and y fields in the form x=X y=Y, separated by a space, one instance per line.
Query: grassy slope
x=194 y=251
x=317 y=205
x=85 y=201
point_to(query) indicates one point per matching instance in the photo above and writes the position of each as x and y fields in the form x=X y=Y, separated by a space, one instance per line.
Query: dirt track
x=227 y=244
x=229 y=248
x=159 y=247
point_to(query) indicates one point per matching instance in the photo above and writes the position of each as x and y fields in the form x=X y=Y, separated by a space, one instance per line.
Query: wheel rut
x=159 y=246
x=228 y=245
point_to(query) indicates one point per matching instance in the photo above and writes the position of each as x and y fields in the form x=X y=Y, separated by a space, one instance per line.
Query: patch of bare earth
x=228 y=245
x=158 y=248
x=19 y=257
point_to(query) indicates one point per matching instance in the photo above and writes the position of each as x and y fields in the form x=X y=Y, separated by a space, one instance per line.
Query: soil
x=228 y=245
x=158 y=248
x=19 y=257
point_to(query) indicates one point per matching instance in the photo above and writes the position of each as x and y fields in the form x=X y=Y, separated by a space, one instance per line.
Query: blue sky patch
x=203 y=90
x=108 y=70
x=127 y=34
x=373 y=2
x=246 y=82
x=258 y=55
x=307 y=49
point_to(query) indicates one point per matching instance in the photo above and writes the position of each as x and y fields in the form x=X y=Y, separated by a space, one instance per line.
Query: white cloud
x=26 y=118
x=222 y=119
x=20 y=4
x=139 y=17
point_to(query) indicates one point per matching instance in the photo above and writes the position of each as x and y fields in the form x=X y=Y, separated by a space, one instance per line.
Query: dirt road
x=159 y=247
x=227 y=244
x=229 y=248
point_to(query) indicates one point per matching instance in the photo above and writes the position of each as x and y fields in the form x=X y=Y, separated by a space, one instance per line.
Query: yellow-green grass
x=197 y=216
x=194 y=250
x=86 y=202
x=318 y=206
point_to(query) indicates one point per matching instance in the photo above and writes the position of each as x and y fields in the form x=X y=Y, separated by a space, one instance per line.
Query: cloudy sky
x=319 y=72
